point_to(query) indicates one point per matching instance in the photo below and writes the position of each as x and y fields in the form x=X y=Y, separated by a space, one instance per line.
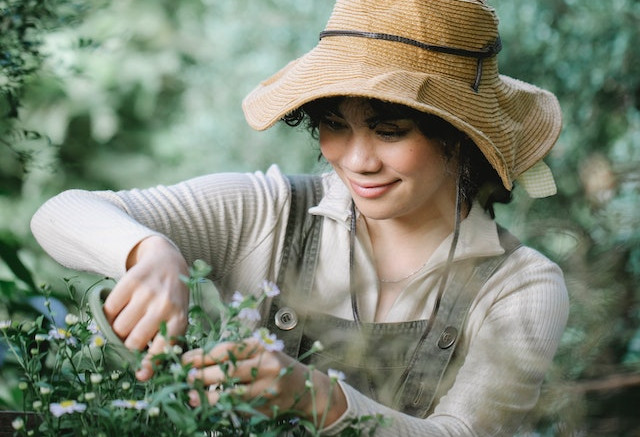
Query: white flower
x=41 y=337
x=237 y=299
x=71 y=319
x=61 y=334
x=4 y=324
x=335 y=375
x=153 y=412
x=130 y=403
x=270 y=288
x=17 y=423
x=96 y=378
x=177 y=350
x=93 y=327
x=126 y=385
x=44 y=390
x=175 y=369
x=90 y=396
x=249 y=314
x=317 y=346
x=115 y=375
x=97 y=340
x=66 y=407
x=269 y=341
x=36 y=405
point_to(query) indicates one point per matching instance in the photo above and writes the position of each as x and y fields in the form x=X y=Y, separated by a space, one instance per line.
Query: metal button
x=286 y=318
x=448 y=337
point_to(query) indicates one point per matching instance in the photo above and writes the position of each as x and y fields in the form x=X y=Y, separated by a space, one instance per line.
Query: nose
x=361 y=155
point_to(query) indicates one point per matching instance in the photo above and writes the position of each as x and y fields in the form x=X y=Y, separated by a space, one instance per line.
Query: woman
x=440 y=319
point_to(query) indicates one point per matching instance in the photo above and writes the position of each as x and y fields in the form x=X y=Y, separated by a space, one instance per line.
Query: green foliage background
x=97 y=95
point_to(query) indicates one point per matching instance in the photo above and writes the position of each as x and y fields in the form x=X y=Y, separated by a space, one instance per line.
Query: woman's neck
x=402 y=246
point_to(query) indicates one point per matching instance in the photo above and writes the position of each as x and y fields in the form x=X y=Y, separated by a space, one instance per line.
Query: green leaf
x=9 y=254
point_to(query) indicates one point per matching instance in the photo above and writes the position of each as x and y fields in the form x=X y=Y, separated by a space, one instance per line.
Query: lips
x=371 y=191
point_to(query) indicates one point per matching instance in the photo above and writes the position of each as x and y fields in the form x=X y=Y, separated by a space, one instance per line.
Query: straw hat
x=437 y=56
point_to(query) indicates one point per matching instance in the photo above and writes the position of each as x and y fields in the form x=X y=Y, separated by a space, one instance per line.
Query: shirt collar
x=336 y=201
x=478 y=231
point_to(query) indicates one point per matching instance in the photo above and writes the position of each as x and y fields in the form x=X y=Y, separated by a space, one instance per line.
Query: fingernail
x=194 y=399
x=143 y=374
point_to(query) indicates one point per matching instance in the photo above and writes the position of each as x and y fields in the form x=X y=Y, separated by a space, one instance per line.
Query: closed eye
x=333 y=123
x=390 y=131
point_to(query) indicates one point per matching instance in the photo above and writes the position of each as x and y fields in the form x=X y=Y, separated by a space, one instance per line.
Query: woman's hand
x=151 y=292
x=272 y=375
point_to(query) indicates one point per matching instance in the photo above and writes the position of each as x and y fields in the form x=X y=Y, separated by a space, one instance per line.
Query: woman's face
x=391 y=169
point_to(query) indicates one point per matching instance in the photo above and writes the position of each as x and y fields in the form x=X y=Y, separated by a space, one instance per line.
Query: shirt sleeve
x=513 y=331
x=218 y=218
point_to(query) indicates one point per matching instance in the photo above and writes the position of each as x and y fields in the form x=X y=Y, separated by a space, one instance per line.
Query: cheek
x=421 y=160
x=330 y=149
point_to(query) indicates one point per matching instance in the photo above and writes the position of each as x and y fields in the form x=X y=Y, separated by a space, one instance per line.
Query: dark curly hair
x=478 y=180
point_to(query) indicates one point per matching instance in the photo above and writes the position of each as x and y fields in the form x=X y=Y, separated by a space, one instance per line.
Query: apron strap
x=298 y=262
x=417 y=392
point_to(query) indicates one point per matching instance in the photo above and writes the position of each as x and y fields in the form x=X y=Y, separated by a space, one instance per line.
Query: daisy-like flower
x=97 y=340
x=269 y=341
x=270 y=289
x=249 y=314
x=130 y=403
x=66 y=407
x=71 y=319
x=62 y=334
x=4 y=324
x=93 y=327
x=335 y=375
x=236 y=299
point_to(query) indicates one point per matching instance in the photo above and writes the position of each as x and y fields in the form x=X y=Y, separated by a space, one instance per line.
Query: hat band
x=489 y=51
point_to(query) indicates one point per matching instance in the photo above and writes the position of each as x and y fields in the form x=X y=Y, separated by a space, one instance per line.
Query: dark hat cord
x=489 y=51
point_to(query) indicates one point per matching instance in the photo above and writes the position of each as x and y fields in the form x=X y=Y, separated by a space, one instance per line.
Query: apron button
x=448 y=337
x=286 y=319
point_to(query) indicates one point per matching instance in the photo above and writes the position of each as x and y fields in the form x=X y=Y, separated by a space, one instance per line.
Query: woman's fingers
x=151 y=292
x=159 y=344
x=221 y=353
x=118 y=298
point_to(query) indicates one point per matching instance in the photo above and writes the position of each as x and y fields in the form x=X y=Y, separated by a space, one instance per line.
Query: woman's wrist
x=331 y=402
x=152 y=243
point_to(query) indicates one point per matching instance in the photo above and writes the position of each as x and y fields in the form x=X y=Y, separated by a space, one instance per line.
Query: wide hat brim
x=515 y=124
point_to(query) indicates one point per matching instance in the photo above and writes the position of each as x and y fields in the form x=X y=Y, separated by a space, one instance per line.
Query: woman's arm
x=147 y=237
x=218 y=218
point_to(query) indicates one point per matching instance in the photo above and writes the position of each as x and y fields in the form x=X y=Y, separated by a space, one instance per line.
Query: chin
x=377 y=212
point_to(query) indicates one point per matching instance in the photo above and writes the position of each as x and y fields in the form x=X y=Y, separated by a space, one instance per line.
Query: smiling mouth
x=369 y=191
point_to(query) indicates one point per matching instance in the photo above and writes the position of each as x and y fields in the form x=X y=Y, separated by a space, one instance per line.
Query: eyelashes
x=387 y=131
